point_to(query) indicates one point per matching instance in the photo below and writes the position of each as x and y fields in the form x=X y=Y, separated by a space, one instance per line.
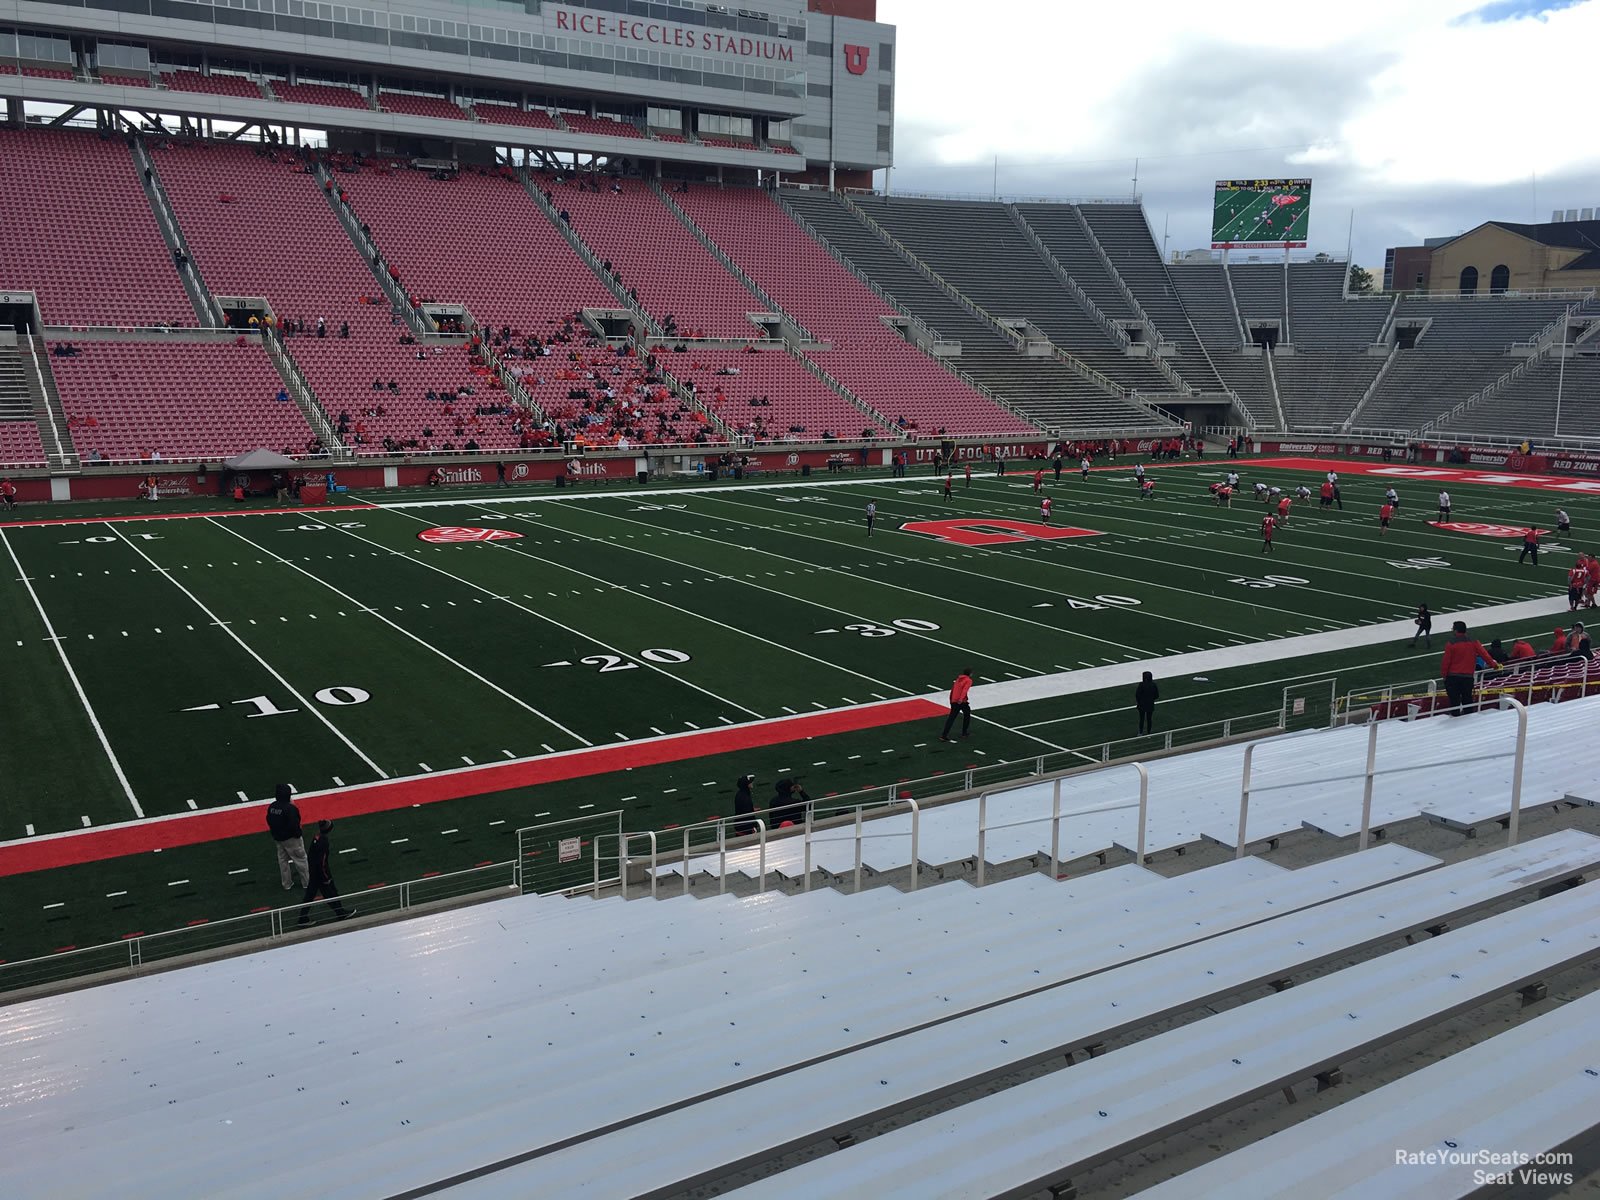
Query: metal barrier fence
x=270 y=925
x=1553 y=682
x=848 y=817
x=564 y=856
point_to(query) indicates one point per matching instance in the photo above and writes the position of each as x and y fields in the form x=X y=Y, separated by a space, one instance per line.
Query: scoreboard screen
x=1260 y=214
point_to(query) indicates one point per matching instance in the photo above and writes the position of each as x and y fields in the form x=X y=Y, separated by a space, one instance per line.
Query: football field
x=437 y=669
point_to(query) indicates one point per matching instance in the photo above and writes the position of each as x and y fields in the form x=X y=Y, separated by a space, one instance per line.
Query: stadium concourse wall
x=197 y=479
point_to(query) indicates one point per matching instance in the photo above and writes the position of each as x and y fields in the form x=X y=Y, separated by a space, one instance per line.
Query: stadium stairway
x=539 y=1046
x=1451 y=771
x=1045 y=389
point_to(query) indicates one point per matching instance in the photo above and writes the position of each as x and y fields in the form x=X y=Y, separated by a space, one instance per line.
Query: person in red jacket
x=1559 y=646
x=1577 y=580
x=1327 y=493
x=1038 y=480
x=1460 y=664
x=1522 y=648
x=1385 y=515
x=959 y=705
x=1268 y=524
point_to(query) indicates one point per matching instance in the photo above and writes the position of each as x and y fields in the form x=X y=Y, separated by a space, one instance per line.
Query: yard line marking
x=337 y=781
x=448 y=832
x=177 y=883
x=493 y=823
x=114 y=895
x=623 y=736
x=243 y=799
x=349 y=850
x=467 y=760
x=29 y=828
x=419 y=641
x=805 y=600
x=425 y=766
x=193 y=807
x=57 y=904
x=543 y=617
x=72 y=675
x=243 y=645
x=85 y=822
x=238 y=871
x=398 y=841
x=658 y=732
x=548 y=749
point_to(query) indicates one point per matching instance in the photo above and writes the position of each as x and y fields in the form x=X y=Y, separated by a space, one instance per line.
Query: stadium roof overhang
x=309 y=116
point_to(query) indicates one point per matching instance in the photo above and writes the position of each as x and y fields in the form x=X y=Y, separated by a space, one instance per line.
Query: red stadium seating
x=80 y=233
x=215 y=85
x=873 y=361
x=19 y=444
x=324 y=94
x=187 y=401
x=653 y=252
x=802 y=406
x=477 y=240
x=505 y=114
x=113 y=77
x=610 y=126
x=421 y=106
x=638 y=410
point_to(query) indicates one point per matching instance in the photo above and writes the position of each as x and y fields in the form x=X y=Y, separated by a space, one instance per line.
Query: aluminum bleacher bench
x=449 y=1091
x=1040 y=1133
x=1533 y=1090
x=722 y=1133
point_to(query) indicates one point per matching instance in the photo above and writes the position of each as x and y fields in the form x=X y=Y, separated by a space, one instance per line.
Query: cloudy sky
x=1422 y=117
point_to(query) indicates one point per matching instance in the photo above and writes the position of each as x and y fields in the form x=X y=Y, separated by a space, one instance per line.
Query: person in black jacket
x=322 y=878
x=1145 y=696
x=283 y=822
x=744 y=805
x=788 y=803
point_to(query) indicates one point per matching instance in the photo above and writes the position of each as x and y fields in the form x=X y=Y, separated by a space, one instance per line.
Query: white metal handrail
x=984 y=826
x=858 y=836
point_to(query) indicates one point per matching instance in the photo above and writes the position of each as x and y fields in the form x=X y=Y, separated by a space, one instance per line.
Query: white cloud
x=1431 y=105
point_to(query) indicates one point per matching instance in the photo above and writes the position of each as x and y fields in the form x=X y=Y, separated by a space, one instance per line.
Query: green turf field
x=1268 y=214
x=166 y=666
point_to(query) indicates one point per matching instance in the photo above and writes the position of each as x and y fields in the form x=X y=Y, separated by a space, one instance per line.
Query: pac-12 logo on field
x=466 y=533
x=994 y=531
x=1482 y=530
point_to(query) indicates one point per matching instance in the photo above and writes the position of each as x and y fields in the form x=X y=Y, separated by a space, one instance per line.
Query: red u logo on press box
x=855 y=58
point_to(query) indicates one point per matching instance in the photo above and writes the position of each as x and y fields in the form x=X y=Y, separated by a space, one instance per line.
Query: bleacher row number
x=1270 y=581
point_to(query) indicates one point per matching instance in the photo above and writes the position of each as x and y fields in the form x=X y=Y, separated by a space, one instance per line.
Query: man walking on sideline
x=322 y=879
x=1530 y=544
x=949 y=483
x=959 y=705
x=872 y=515
x=283 y=822
x=1460 y=664
x=1424 y=623
x=1145 y=696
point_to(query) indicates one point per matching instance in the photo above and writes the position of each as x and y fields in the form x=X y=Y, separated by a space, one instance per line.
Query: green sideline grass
x=730 y=591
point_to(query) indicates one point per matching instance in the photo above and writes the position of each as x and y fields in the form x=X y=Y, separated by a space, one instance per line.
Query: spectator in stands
x=283 y=822
x=1424 y=623
x=744 y=805
x=322 y=878
x=1521 y=649
x=1459 y=664
x=1559 y=646
x=1578 y=642
x=344 y=329
x=789 y=802
x=1145 y=696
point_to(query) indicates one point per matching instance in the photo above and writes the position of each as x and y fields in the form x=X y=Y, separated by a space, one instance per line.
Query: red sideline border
x=76 y=847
